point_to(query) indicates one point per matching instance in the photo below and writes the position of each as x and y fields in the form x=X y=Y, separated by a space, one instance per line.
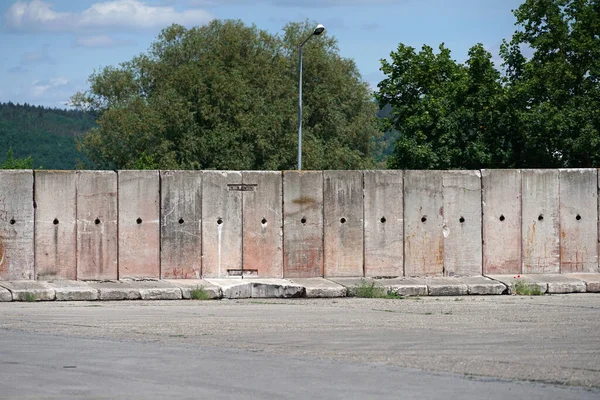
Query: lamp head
x=318 y=30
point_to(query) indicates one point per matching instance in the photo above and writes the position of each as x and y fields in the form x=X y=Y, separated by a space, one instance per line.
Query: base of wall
x=148 y=289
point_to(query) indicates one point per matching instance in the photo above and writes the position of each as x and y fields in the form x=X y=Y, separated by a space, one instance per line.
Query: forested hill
x=46 y=134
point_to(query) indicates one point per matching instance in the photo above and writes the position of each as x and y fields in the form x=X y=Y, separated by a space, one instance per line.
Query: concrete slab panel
x=423 y=223
x=139 y=224
x=28 y=290
x=384 y=223
x=233 y=288
x=97 y=217
x=16 y=225
x=263 y=224
x=56 y=225
x=320 y=287
x=398 y=286
x=533 y=280
x=541 y=222
x=446 y=287
x=155 y=290
x=69 y=290
x=221 y=223
x=5 y=295
x=275 y=288
x=343 y=223
x=115 y=290
x=188 y=285
x=578 y=220
x=480 y=285
x=181 y=224
x=462 y=223
x=303 y=224
x=592 y=281
x=501 y=195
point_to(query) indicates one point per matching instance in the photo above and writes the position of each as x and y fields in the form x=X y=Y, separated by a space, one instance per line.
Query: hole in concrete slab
x=263 y=221
x=383 y=220
x=303 y=220
x=343 y=220
x=12 y=222
x=220 y=221
x=424 y=218
x=502 y=218
x=541 y=217
x=97 y=221
x=139 y=221
x=578 y=217
x=55 y=222
x=461 y=220
x=181 y=221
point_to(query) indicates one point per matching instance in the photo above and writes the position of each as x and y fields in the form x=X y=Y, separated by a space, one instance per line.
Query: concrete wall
x=96 y=225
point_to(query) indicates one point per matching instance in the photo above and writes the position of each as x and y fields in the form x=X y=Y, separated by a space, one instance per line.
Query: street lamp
x=318 y=30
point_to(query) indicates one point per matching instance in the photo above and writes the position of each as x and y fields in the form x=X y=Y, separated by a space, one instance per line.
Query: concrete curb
x=237 y=288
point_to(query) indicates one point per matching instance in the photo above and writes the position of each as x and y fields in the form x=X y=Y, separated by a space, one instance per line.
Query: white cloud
x=98 y=41
x=38 y=89
x=39 y=16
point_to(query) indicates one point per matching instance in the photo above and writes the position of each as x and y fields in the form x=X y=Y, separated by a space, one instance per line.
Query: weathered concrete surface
x=592 y=281
x=69 y=290
x=181 y=224
x=541 y=222
x=303 y=224
x=343 y=223
x=320 y=287
x=155 y=290
x=423 y=223
x=187 y=285
x=97 y=216
x=384 y=223
x=562 y=284
x=115 y=290
x=28 y=290
x=221 y=224
x=233 y=288
x=534 y=280
x=399 y=286
x=139 y=224
x=16 y=225
x=578 y=220
x=462 y=223
x=501 y=194
x=5 y=294
x=480 y=285
x=446 y=287
x=275 y=288
x=263 y=224
x=56 y=225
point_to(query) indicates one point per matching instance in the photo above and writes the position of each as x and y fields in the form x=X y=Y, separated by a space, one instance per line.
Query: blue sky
x=50 y=47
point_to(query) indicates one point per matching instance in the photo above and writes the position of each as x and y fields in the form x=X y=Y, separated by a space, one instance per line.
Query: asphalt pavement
x=464 y=347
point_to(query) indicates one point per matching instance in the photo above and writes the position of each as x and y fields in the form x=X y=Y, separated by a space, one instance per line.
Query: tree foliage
x=543 y=112
x=13 y=162
x=47 y=135
x=224 y=96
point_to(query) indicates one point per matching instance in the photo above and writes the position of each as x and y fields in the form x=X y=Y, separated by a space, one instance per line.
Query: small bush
x=523 y=289
x=370 y=291
x=199 y=294
x=30 y=297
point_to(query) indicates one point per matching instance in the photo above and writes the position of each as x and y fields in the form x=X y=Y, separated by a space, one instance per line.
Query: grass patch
x=370 y=291
x=199 y=294
x=523 y=289
x=30 y=297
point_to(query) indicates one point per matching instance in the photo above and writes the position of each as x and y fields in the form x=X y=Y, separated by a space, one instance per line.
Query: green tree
x=445 y=112
x=543 y=113
x=16 y=163
x=224 y=96
x=555 y=94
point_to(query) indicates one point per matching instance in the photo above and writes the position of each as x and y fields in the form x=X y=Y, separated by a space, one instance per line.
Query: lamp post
x=318 y=30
